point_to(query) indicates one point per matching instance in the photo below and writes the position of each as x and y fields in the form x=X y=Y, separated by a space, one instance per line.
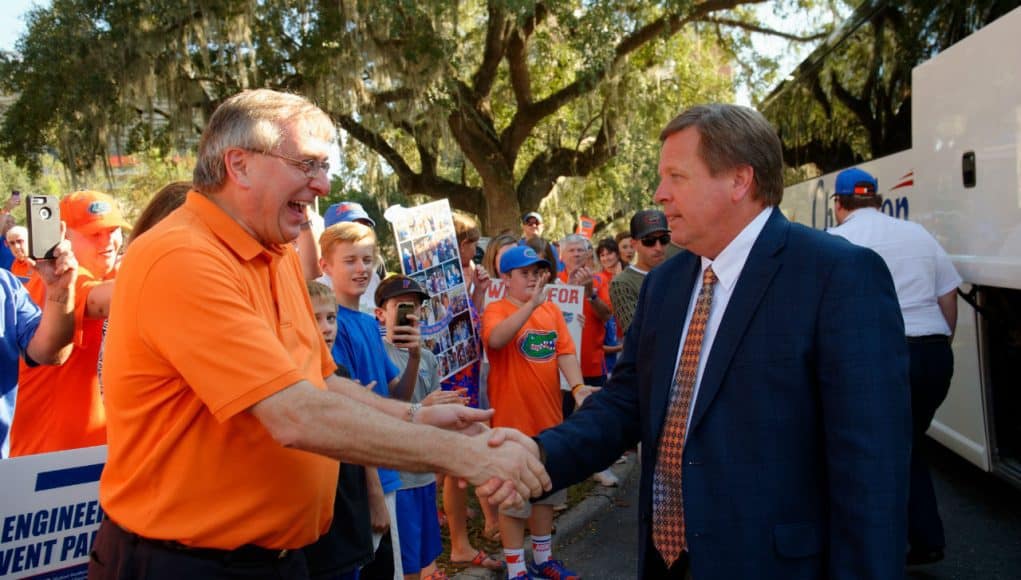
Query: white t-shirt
x=921 y=269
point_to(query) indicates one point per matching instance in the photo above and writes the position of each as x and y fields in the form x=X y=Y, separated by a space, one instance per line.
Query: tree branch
x=517 y=63
x=425 y=183
x=545 y=169
x=528 y=116
x=498 y=29
x=375 y=142
x=763 y=30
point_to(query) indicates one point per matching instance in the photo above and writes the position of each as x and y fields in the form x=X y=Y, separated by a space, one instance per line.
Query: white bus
x=958 y=173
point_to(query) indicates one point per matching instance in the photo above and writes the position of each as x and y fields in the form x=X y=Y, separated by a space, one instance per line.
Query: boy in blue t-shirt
x=348 y=251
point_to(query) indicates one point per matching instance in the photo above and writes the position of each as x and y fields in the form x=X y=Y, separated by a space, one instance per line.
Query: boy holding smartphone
x=398 y=305
x=348 y=257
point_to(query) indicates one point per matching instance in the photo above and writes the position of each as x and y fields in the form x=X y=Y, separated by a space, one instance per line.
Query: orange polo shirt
x=22 y=269
x=524 y=375
x=60 y=407
x=205 y=323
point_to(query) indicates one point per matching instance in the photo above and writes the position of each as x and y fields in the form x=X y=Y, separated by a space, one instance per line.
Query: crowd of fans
x=247 y=357
x=386 y=523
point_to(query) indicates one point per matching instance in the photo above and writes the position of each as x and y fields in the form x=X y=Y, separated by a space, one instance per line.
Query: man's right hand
x=60 y=273
x=511 y=471
x=539 y=296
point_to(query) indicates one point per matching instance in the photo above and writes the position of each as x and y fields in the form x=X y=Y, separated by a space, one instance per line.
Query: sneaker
x=524 y=575
x=606 y=478
x=553 y=570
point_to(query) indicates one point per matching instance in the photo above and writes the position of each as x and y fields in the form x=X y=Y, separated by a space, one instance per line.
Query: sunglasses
x=532 y=223
x=651 y=241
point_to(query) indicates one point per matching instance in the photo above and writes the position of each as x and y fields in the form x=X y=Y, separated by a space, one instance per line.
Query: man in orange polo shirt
x=575 y=251
x=60 y=407
x=17 y=240
x=225 y=421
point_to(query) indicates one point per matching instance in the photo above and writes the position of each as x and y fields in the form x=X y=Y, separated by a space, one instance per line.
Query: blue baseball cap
x=346 y=211
x=520 y=257
x=856 y=182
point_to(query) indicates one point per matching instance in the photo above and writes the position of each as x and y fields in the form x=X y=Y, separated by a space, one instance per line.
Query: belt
x=928 y=338
x=248 y=553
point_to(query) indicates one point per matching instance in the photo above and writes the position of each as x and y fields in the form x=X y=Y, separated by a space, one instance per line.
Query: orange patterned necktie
x=667 y=502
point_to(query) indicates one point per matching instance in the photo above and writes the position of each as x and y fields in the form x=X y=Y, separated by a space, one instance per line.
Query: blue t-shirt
x=610 y=340
x=360 y=348
x=6 y=256
x=19 y=319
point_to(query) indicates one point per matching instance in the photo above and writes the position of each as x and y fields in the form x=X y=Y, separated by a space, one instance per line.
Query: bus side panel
x=960 y=422
x=967 y=102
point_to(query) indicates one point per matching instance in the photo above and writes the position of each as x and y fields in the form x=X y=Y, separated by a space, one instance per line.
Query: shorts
x=418 y=524
x=525 y=511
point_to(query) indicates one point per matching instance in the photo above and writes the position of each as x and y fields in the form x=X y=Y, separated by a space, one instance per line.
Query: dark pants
x=655 y=568
x=382 y=565
x=932 y=366
x=118 y=554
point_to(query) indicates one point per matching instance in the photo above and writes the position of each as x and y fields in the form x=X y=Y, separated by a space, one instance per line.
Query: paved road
x=981 y=513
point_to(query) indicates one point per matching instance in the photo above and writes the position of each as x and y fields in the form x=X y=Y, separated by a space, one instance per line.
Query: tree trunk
x=501 y=209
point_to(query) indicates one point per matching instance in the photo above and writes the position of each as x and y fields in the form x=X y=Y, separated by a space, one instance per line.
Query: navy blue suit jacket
x=796 y=459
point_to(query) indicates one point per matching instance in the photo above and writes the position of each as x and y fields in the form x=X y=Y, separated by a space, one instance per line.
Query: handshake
x=502 y=463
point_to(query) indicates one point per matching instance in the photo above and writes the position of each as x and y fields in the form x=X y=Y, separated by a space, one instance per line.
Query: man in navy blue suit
x=793 y=418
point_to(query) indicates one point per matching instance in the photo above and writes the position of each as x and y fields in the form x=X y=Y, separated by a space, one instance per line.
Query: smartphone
x=43 y=213
x=403 y=310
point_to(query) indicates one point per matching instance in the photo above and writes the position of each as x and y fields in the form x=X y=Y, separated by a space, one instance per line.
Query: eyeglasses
x=651 y=241
x=310 y=167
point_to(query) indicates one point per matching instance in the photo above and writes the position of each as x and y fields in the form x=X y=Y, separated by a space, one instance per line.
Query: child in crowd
x=347 y=545
x=468 y=381
x=529 y=345
x=416 y=500
x=348 y=251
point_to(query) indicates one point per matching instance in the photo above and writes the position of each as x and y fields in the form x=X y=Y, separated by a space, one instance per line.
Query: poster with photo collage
x=428 y=251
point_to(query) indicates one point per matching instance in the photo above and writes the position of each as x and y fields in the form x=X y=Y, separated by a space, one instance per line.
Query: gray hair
x=254 y=120
x=572 y=239
x=731 y=135
x=17 y=230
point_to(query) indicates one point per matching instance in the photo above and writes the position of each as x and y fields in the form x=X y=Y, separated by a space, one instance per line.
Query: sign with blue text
x=49 y=513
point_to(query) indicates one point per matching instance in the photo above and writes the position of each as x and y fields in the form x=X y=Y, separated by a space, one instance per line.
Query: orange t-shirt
x=205 y=323
x=524 y=378
x=60 y=407
x=593 y=334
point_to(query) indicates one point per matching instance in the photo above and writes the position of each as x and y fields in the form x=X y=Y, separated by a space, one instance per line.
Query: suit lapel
x=670 y=305
x=763 y=262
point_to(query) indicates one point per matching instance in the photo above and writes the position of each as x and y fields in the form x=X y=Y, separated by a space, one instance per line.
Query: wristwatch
x=412 y=410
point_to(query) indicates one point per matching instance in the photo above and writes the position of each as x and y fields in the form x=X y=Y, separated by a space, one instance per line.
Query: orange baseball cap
x=87 y=212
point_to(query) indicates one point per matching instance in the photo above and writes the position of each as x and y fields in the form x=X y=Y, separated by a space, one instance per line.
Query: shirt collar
x=860 y=211
x=728 y=264
x=227 y=229
x=637 y=269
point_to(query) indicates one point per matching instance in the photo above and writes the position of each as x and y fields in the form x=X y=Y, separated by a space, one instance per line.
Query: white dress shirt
x=921 y=269
x=727 y=266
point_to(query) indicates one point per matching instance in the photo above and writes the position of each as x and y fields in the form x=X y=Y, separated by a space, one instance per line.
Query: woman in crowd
x=468 y=382
x=609 y=258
